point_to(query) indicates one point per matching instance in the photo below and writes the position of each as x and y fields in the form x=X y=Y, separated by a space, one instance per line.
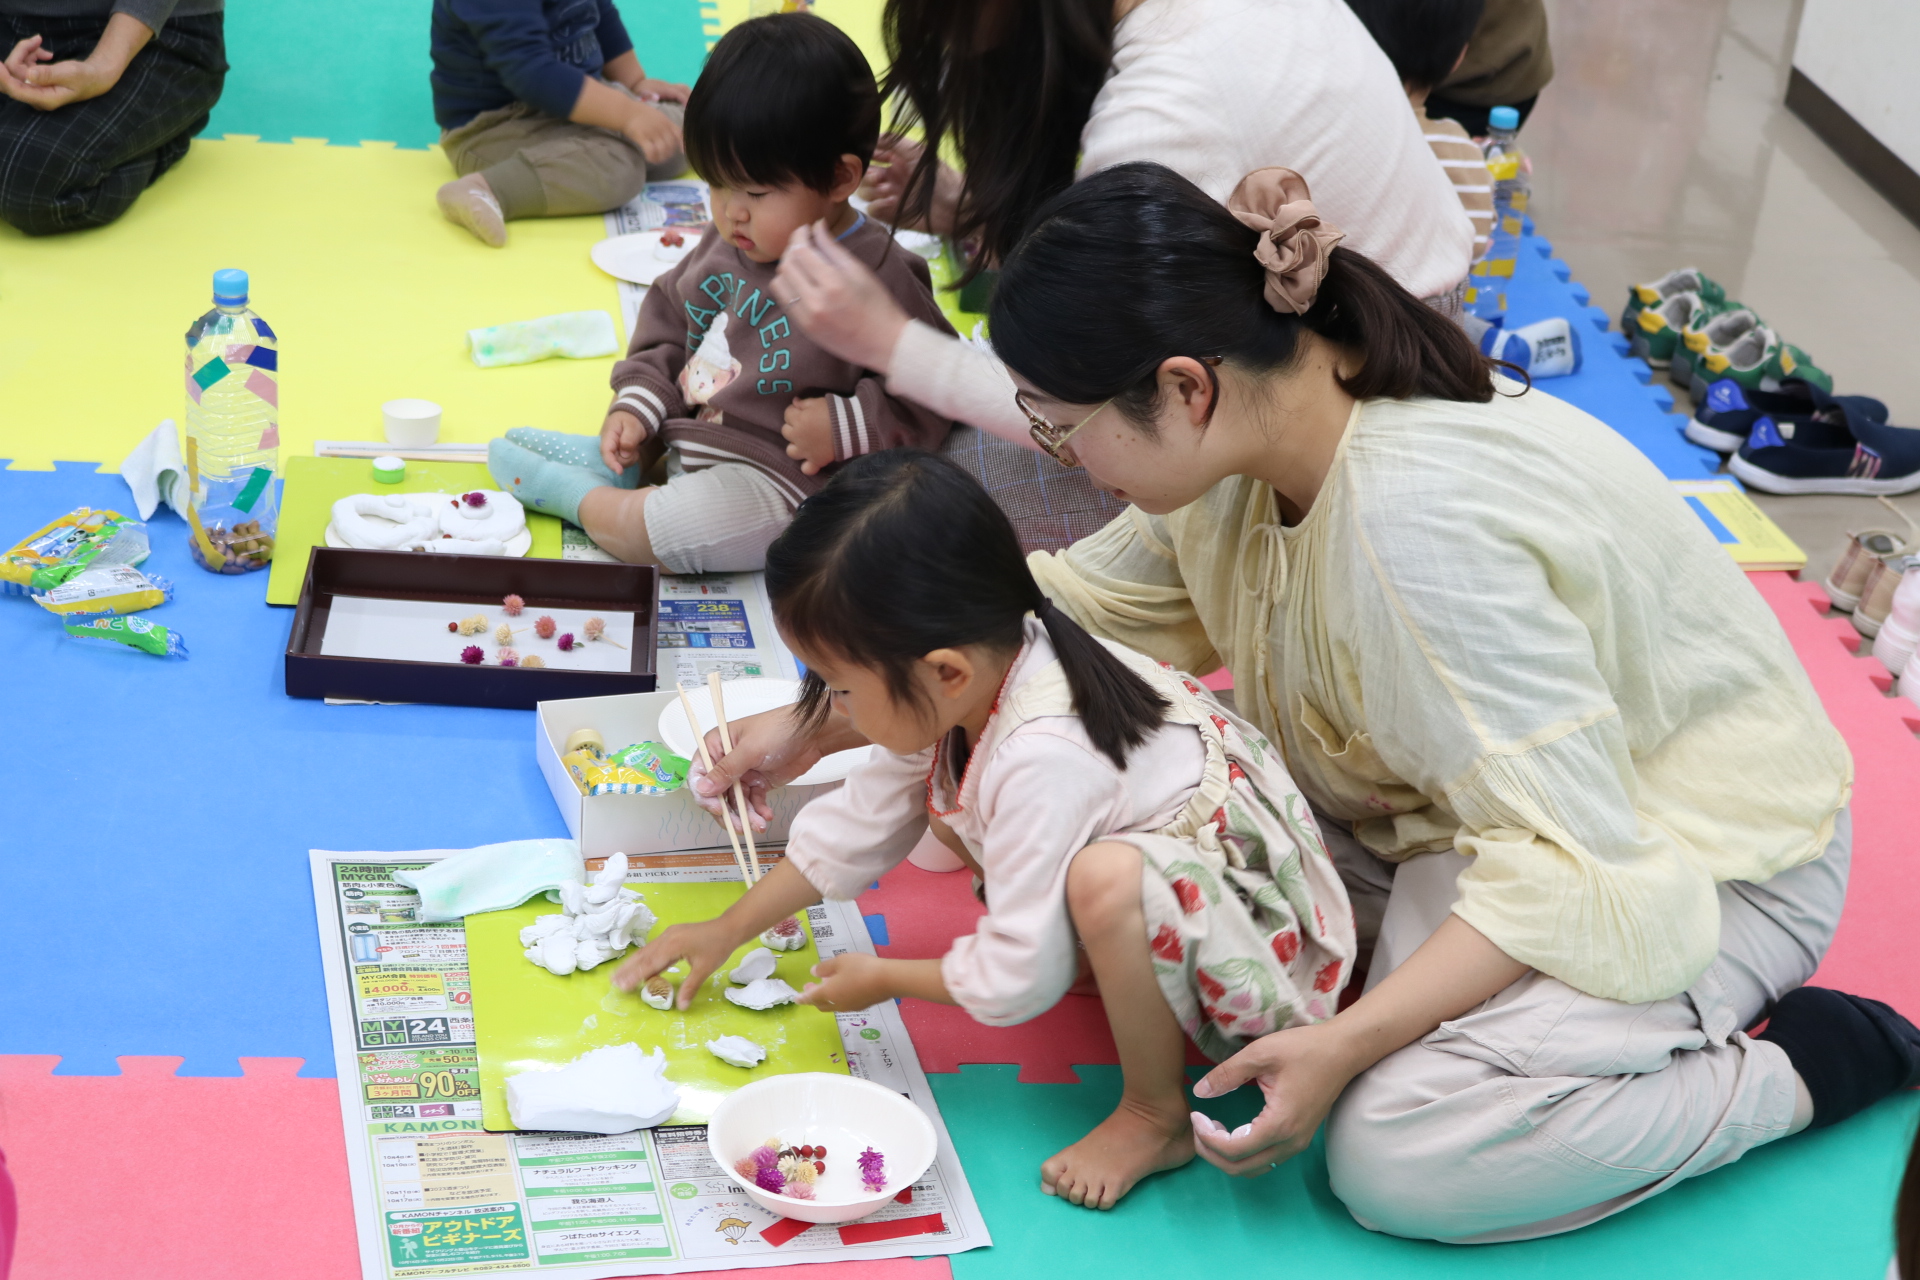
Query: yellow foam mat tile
x=370 y=290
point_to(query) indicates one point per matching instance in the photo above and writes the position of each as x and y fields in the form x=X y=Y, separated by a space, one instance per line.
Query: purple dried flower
x=769 y=1179
x=873 y=1169
x=565 y=642
x=474 y=499
x=472 y=655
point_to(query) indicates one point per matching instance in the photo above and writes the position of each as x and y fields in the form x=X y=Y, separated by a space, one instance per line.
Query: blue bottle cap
x=230 y=288
x=1503 y=118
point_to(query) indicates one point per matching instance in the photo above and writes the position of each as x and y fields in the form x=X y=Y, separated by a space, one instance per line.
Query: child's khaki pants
x=543 y=167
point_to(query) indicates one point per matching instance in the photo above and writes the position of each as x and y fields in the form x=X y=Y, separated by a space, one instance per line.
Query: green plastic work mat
x=527 y=1018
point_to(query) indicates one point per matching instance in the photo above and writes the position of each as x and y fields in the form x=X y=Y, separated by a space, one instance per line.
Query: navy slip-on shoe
x=1869 y=458
x=1728 y=411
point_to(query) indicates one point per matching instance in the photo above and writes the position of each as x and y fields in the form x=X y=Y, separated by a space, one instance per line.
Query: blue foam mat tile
x=194 y=789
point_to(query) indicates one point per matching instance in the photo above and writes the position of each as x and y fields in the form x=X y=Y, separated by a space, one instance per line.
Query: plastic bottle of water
x=1511 y=186
x=233 y=432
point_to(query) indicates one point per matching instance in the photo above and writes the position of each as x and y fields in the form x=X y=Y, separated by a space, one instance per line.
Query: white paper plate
x=518 y=545
x=640 y=258
x=745 y=698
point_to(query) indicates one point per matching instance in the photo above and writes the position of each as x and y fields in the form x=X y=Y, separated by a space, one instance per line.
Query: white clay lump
x=737 y=1051
x=764 y=993
x=785 y=936
x=428 y=522
x=596 y=922
x=614 y=1089
x=755 y=965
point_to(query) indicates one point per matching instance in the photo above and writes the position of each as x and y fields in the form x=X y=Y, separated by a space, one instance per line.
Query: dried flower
x=533 y=660
x=506 y=657
x=544 y=627
x=671 y=238
x=474 y=499
x=472 y=655
x=565 y=642
x=473 y=626
x=512 y=605
x=873 y=1170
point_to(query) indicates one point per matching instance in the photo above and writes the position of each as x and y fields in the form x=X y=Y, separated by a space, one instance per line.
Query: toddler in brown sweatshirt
x=750 y=413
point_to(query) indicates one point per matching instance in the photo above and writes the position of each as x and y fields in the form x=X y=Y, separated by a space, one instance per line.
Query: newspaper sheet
x=436 y=1195
x=679 y=203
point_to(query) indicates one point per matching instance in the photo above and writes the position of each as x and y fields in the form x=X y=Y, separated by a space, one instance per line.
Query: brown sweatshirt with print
x=715 y=362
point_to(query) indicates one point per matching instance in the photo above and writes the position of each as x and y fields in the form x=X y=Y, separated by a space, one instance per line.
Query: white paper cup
x=411 y=424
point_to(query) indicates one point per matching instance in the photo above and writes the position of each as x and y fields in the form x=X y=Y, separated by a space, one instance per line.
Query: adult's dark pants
x=84 y=164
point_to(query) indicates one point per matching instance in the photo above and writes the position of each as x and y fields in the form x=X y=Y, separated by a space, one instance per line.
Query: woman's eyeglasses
x=1053 y=438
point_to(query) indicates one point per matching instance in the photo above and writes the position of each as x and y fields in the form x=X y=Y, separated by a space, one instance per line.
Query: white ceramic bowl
x=816 y=1108
x=743 y=698
x=411 y=424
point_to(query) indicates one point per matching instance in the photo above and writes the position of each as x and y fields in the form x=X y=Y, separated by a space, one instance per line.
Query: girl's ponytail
x=1118 y=708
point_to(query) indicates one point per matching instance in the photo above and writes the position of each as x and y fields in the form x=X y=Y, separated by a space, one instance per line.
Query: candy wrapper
x=645 y=768
x=133 y=633
x=86 y=537
x=118 y=588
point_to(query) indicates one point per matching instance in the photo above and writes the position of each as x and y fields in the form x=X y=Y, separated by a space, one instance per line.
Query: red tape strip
x=782 y=1231
x=873 y=1232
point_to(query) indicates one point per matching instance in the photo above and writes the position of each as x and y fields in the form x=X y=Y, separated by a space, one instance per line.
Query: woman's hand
x=704 y=946
x=769 y=750
x=837 y=301
x=894 y=161
x=1301 y=1071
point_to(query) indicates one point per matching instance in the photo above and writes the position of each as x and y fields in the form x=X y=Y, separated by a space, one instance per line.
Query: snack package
x=645 y=768
x=134 y=633
x=577 y=763
x=117 y=588
x=86 y=537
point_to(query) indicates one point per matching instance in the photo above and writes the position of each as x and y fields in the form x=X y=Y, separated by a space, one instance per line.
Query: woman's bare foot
x=1128 y=1145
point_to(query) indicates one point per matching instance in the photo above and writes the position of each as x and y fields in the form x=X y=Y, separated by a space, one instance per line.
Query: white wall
x=1865 y=55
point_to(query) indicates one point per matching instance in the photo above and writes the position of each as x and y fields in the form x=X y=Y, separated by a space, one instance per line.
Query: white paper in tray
x=416 y=631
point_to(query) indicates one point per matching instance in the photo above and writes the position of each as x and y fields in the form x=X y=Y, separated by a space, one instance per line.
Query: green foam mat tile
x=313 y=485
x=1819 y=1204
x=527 y=1017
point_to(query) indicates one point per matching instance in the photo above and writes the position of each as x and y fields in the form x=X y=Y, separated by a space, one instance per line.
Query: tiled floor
x=1662 y=142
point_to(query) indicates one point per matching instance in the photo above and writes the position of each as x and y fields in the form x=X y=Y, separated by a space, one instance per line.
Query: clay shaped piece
x=658 y=992
x=785 y=936
x=764 y=994
x=755 y=965
x=386 y=521
x=499 y=518
x=737 y=1051
x=610 y=1090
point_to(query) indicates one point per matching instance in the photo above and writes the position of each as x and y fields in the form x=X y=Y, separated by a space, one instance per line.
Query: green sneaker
x=1655 y=335
x=1790 y=361
x=1653 y=293
x=1707 y=332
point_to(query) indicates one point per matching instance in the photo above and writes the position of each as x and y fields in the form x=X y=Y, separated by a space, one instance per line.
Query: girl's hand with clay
x=709 y=944
x=894 y=161
x=837 y=301
x=769 y=750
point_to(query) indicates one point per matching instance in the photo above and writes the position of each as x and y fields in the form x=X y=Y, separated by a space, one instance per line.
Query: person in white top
x=1100 y=798
x=1036 y=95
x=1590 y=813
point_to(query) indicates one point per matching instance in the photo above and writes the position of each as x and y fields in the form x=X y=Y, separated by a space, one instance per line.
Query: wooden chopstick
x=739 y=792
x=726 y=818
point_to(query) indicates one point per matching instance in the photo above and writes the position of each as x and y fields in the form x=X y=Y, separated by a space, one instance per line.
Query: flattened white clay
x=588 y=952
x=599 y=894
x=658 y=992
x=764 y=994
x=635 y=923
x=737 y=1051
x=757 y=964
x=785 y=936
x=597 y=922
x=558 y=954
x=614 y=872
x=542 y=927
x=610 y=1090
x=572 y=897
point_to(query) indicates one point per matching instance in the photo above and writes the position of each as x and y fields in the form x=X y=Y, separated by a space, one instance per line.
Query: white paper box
x=633 y=823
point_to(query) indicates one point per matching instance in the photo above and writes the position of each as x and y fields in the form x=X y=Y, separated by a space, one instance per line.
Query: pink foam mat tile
x=1869 y=952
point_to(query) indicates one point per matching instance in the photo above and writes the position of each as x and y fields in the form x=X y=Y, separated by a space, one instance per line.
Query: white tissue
x=737 y=1051
x=763 y=994
x=610 y=1090
x=758 y=964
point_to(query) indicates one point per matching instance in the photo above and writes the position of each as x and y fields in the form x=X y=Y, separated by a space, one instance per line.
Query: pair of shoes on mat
x=551 y=471
x=1737 y=346
x=469 y=202
x=1689 y=280
x=1813 y=455
x=1899 y=631
x=1728 y=411
x=1864 y=557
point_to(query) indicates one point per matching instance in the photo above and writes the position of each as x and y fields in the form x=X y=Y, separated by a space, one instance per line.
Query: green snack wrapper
x=654 y=758
x=132 y=632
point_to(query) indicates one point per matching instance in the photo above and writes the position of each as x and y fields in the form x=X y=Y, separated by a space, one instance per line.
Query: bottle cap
x=1503 y=118
x=389 y=470
x=230 y=288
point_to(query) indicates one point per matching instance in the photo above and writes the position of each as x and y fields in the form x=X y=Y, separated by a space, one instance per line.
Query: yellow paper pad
x=1754 y=541
x=525 y=1017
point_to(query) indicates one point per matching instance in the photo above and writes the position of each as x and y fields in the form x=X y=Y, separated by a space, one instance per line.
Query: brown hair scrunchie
x=1295 y=241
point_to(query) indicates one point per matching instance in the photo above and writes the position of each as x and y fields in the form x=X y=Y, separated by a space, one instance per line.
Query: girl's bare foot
x=1128 y=1145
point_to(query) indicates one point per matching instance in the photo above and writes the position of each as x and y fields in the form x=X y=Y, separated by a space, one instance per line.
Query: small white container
x=411 y=424
x=820 y=1109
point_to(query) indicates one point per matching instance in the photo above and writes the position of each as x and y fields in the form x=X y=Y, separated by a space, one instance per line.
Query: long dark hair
x=903 y=553
x=1010 y=83
x=781 y=99
x=1135 y=265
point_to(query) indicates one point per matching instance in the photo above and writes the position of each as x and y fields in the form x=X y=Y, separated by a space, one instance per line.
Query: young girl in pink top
x=1115 y=814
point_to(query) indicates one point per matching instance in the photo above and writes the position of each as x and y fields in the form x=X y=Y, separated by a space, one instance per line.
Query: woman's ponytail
x=1406 y=348
x=1118 y=708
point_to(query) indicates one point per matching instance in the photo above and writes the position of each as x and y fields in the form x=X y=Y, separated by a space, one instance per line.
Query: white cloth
x=1215 y=89
x=1027 y=807
x=156 y=472
x=719 y=519
x=1546 y=1109
x=492 y=877
x=1498 y=629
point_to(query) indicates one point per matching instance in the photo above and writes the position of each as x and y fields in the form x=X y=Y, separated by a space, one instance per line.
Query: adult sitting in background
x=1508 y=63
x=101 y=98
